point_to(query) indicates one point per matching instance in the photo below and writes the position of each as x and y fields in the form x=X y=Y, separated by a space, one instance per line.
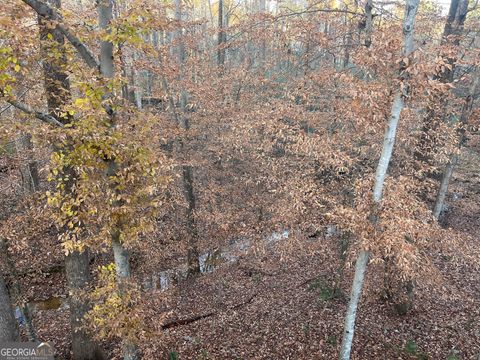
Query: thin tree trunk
x=389 y=140
x=263 y=43
x=221 y=36
x=443 y=189
x=16 y=292
x=192 y=250
x=368 y=23
x=451 y=35
x=122 y=259
x=447 y=173
x=193 y=262
x=28 y=167
x=348 y=40
x=357 y=285
x=120 y=254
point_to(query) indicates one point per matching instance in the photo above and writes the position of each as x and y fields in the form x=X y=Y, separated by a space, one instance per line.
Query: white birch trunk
x=388 y=143
x=389 y=140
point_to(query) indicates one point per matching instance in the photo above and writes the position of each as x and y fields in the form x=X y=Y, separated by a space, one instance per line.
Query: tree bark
x=192 y=249
x=452 y=31
x=28 y=167
x=16 y=292
x=193 y=262
x=411 y=8
x=448 y=171
x=8 y=324
x=78 y=278
x=221 y=36
x=443 y=189
x=263 y=43
x=57 y=88
x=368 y=23
x=120 y=254
x=357 y=285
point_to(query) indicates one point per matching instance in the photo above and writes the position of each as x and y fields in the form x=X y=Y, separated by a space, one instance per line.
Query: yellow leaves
x=72 y=245
x=8 y=62
x=114 y=313
x=110 y=267
x=80 y=102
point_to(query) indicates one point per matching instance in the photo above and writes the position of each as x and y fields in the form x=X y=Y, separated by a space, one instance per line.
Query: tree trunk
x=389 y=140
x=357 y=285
x=192 y=250
x=28 y=167
x=193 y=262
x=122 y=259
x=120 y=254
x=443 y=189
x=16 y=292
x=447 y=173
x=221 y=36
x=57 y=88
x=451 y=35
x=368 y=23
x=8 y=324
x=57 y=85
x=78 y=278
x=263 y=43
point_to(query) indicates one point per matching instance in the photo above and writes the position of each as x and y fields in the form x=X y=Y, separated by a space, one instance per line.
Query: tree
x=438 y=105
x=57 y=88
x=454 y=158
x=187 y=170
x=221 y=36
x=411 y=8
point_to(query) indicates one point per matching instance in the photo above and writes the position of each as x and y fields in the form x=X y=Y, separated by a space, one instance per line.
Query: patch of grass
x=325 y=291
x=204 y=354
x=257 y=277
x=453 y=357
x=306 y=329
x=332 y=340
x=173 y=355
x=411 y=347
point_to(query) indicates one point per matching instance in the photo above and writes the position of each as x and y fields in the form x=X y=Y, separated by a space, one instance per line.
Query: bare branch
x=46 y=11
x=10 y=105
x=49 y=119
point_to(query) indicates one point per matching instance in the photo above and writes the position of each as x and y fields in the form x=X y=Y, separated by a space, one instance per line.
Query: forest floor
x=281 y=307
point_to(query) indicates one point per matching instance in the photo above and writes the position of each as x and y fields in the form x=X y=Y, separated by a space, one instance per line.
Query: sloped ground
x=273 y=307
x=280 y=309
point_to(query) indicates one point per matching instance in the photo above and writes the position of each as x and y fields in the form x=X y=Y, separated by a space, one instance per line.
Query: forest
x=240 y=179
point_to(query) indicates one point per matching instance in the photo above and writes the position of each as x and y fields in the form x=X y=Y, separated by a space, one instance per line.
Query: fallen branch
x=186 y=321
x=180 y=322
